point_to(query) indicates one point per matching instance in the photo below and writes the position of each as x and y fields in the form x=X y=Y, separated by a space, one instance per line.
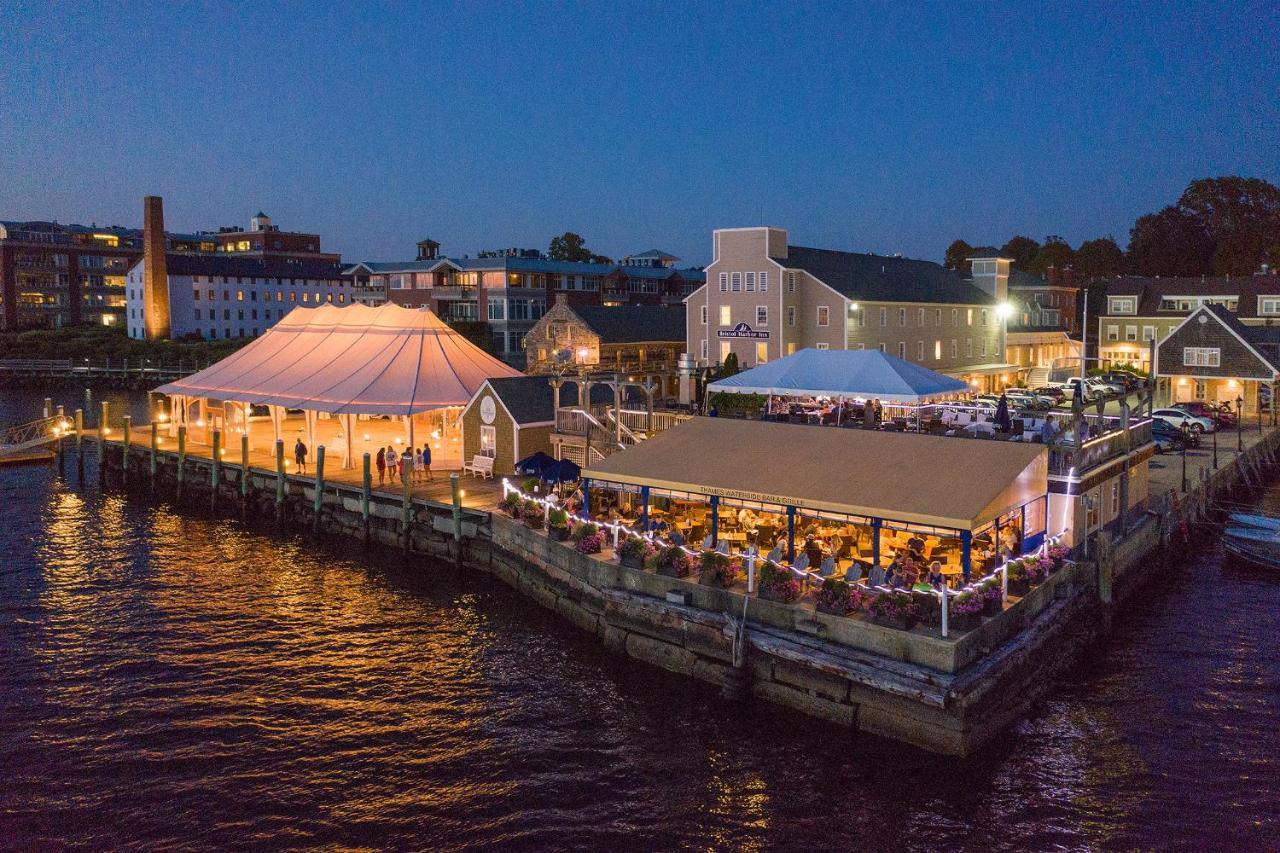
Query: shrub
x=779 y=584
x=532 y=514
x=838 y=597
x=967 y=603
x=892 y=605
x=530 y=485
x=1059 y=554
x=719 y=569
x=671 y=561
x=637 y=547
x=558 y=518
x=1017 y=571
x=990 y=590
x=592 y=543
x=513 y=504
x=583 y=529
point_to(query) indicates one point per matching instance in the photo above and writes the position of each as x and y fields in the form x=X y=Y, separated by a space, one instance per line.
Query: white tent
x=354 y=360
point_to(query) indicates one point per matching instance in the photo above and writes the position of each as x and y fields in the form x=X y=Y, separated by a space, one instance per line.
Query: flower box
x=900 y=622
x=1019 y=587
x=784 y=591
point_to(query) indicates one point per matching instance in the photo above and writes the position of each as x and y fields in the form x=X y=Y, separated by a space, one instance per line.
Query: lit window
x=725 y=316
x=1201 y=356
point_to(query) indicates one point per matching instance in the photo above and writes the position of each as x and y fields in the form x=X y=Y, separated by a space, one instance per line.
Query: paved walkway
x=1166 y=468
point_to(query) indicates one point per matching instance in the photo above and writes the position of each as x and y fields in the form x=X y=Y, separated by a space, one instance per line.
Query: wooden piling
x=318 y=505
x=124 y=458
x=80 y=444
x=456 y=490
x=182 y=458
x=407 y=510
x=244 y=471
x=155 y=447
x=102 y=443
x=366 y=486
x=279 y=480
x=88 y=400
x=215 y=470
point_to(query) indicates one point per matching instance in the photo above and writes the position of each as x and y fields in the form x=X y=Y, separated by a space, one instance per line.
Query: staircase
x=1038 y=377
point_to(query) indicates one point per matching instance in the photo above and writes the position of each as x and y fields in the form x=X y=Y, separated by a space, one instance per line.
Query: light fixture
x=1004 y=310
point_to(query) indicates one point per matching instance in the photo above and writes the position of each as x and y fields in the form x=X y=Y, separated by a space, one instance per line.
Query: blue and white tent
x=863 y=374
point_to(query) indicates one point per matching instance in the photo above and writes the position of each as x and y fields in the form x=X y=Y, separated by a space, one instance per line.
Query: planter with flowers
x=965 y=610
x=893 y=610
x=838 y=598
x=513 y=504
x=533 y=515
x=634 y=550
x=1058 y=554
x=1019 y=578
x=778 y=584
x=587 y=538
x=992 y=595
x=558 y=525
x=716 y=569
x=671 y=562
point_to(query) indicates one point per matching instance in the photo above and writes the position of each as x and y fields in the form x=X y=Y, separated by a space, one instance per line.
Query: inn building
x=765 y=298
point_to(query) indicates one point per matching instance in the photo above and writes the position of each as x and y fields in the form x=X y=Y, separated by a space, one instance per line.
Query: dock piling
x=182 y=458
x=456 y=490
x=155 y=445
x=124 y=457
x=279 y=480
x=407 y=509
x=318 y=506
x=244 y=471
x=215 y=470
x=102 y=443
x=80 y=444
x=366 y=486
x=88 y=400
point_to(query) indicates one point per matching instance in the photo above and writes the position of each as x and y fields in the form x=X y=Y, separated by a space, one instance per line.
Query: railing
x=573 y=421
x=124 y=367
x=1075 y=460
x=34 y=434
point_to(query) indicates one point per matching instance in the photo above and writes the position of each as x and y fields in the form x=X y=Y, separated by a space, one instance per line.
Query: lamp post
x=1239 y=424
x=1186 y=439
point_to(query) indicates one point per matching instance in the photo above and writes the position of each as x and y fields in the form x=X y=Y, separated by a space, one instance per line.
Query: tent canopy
x=356 y=359
x=956 y=483
x=869 y=374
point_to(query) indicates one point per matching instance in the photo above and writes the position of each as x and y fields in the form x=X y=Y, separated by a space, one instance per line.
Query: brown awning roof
x=933 y=480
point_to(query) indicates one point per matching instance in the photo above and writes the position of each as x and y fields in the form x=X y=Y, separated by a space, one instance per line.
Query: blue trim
x=715 y=521
x=791 y=534
x=1032 y=542
x=586 y=498
x=966 y=554
x=644 y=508
x=875 y=541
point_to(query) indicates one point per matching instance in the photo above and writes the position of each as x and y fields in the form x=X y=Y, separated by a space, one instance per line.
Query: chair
x=706 y=543
x=723 y=546
x=775 y=556
x=828 y=568
x=854 y=573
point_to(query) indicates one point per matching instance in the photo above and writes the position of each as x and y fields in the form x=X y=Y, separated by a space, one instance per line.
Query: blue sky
x=888 y=127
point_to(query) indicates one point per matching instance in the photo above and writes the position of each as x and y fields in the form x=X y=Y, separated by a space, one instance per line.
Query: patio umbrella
x=564 y=471
x=534 y=465
x=1002 y=414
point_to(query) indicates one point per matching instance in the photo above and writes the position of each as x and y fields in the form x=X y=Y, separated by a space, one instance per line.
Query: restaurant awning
x=865 y=374
x=356 y=359
x=956 y=483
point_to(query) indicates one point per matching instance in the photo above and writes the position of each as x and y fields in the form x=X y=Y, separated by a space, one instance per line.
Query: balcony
x=1107 y=441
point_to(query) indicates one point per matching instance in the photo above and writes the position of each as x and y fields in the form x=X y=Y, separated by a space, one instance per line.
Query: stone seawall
x=949 y=696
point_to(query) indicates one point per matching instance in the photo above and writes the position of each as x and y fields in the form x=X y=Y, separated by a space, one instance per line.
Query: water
x=179 y=681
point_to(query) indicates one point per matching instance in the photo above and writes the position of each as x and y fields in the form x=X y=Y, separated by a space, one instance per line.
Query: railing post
x=366 y=486
x=318 y=503
x=406 y=511
x=124 y=458
x=945 y=609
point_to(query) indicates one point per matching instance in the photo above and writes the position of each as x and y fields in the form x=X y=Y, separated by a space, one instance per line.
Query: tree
x=569 y=247
x=1100 y=258
x=730 y=366
x=1241 y=217
x=1170 y=242
x=1055 y=252
x=958 y=255
x=1022 y=251
x=985 y=252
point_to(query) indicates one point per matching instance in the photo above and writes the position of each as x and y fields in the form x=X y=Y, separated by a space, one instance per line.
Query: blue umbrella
x=1002 y=414
x=564 y=471
x=534 y=465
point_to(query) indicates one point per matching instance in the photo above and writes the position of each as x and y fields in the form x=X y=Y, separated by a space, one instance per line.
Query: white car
x=1102 y=386
x=1087 y=391
x=1175 y=417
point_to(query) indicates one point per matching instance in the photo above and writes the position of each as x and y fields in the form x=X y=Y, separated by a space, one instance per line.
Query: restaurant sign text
x=742 y=330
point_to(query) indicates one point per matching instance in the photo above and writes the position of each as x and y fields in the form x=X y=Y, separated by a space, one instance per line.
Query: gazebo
x=843 y=374
x=394 y=369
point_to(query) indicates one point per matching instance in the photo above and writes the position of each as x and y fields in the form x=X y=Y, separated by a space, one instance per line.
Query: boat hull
x=1256 y=546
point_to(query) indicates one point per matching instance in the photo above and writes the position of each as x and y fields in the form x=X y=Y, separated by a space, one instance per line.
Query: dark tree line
x=1219 y=226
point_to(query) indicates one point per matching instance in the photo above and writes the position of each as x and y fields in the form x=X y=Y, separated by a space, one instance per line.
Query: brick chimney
x=155 y=286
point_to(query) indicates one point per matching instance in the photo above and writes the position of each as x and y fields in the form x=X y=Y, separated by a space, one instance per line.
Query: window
x=791 y=315
x=1130 y=333
x=968 y=315
x=955 y=316
x=1148 y=333
x=1201 y=357
x=488 y=441
x=1123 y=305
x=968 y=348
x=983 y=352
x=983 y=316
x=724 y=351
x=195 y=295
x=919 y=350
x=955 y=349
x=762 y=315
x=937 y=350
x=1113 y=332
x=763 y=279
x=724 y=282
x=1269 y=305
x=882 y=348
x=703 y=355
x=884 y=317
x=902 y=316
x=919 y=316
x=822 y=346
x=704 y=315
x=497 y=309
x=751 y=282
x=725 y=316
x=735 y=282
x=762 y=352
x=824 y=316
x=791 y=282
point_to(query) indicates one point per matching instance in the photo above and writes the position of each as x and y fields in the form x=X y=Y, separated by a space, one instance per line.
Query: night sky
x=891 y=129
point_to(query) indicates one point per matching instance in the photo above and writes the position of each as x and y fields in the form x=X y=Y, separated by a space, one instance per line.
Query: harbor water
x=168 y=679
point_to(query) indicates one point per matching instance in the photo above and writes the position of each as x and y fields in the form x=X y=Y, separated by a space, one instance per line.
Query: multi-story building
x=219 y=296
x=764 y=299
x=1139 y=311
x=60 y=275
x=510 y=292
x=1042 y=323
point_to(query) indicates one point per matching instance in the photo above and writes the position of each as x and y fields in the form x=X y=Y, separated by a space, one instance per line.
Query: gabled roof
x=654 y=254
x=1150 y=291
x=876 y=278
x=626 y=324
x=529 y=399
x=1257 y=338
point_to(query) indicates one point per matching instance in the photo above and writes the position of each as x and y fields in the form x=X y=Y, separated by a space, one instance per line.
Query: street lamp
x=1240 y=424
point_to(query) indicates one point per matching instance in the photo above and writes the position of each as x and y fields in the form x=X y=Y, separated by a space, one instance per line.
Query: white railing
x=34 y=434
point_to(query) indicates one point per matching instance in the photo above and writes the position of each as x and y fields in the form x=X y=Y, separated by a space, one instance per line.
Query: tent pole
x=409 y=421
x=348 y=428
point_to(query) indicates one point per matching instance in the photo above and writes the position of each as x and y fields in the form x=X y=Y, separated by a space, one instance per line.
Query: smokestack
x=155 y=281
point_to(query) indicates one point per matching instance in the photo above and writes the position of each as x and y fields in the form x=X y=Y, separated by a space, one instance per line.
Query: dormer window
x=1269 y=306
x=1123 y=305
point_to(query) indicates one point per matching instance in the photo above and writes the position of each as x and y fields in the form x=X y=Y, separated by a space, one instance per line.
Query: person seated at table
x=813 y=549
x=907 y=577
x=746 y=517
x=935 y=578
x=915 y=545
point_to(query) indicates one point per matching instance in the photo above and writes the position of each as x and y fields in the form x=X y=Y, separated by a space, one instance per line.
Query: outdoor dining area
x=873 y=508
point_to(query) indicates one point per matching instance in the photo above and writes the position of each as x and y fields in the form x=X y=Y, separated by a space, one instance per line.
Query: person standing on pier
x=393 y=459
x=426 y=462
x=300 y=456
x=381 y=461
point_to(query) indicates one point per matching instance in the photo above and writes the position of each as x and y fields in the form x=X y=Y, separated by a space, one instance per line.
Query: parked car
x=1087 y=392
x=1201 y=409
x=1175 y=417
x=1053 y=392
x=1122 y=378
x=1170 y=438
x=1104 y=388
x=1026 y=400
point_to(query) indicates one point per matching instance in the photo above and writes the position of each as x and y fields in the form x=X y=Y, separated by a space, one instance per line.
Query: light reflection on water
x=175 y=680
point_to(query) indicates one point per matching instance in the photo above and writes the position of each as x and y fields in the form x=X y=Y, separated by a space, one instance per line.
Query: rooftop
x=627 y=324
x=879 y=278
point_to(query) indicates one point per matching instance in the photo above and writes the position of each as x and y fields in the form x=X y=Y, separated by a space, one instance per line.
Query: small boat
x=1253 y=544
x=1257 y=522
